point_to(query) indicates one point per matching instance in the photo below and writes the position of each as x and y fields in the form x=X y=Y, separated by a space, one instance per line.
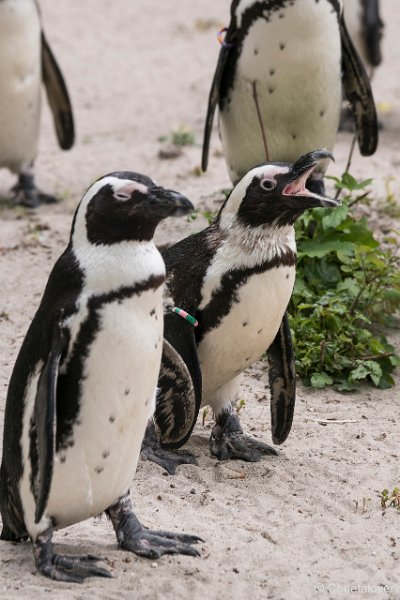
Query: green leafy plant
x=347 y=291
x=390 y=499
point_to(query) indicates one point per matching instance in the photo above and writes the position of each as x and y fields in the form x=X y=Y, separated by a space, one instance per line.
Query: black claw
x=144 y=542
x=228 y=442
x=80 y=566
x=186 y=538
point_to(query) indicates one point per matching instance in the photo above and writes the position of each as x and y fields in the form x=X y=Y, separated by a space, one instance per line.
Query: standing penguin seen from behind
x=235 y=278
x=278 y=85
x=84 y=383
x=26 y=60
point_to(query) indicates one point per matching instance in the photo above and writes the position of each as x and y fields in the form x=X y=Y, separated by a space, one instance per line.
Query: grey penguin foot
x=25 y=193
x=132 y=536
x=227 y=441
x=61 y=567
x=151 y=450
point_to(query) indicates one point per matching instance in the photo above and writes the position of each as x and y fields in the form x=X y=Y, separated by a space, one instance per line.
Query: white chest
x=293 y=65
x=118 y=395
x=248 y=330
x=20 y=82
x=117 y=398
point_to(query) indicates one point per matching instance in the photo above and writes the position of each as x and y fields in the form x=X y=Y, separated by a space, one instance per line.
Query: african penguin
x=365 y=26
x=235 y=278
x=26 y=60
x=83 y=386
x=278 y=85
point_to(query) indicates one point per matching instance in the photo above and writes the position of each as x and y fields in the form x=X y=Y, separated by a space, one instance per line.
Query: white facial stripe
x=132 y=186
x=234 y=201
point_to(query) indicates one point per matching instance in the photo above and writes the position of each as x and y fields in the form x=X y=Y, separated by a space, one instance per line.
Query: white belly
x=295 y=63
x=121 y=373
x=20 y=83
x=247 y=331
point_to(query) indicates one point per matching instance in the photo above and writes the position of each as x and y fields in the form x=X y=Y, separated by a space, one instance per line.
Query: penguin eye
x=122 y=196
x=268 y=184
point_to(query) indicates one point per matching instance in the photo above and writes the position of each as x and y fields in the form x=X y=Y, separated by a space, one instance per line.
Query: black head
x=275 y=194
x=126 y=206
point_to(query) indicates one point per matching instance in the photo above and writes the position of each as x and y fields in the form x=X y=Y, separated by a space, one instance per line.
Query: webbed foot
x=168 y=460
x=227 y=441
x=25 y=193
x=61 y=567
x=132 y=536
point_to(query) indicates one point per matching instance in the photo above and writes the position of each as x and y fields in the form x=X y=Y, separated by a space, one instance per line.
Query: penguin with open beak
x=228 y=288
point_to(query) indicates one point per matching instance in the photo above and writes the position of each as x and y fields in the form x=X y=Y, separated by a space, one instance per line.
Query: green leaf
x=321 y=272
x=334 y=217
x=346 y=386
x=318 y=249
x=386 y=382
x=366 y=368
x=320 y=380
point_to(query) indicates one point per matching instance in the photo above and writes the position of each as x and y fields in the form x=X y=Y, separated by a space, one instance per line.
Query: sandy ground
x=307 y=524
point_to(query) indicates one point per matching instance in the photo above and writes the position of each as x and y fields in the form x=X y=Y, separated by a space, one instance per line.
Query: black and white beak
x=296 y=180
x=167 y=203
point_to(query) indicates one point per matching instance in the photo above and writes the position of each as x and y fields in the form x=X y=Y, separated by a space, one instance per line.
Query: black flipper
x=213 y=97
x=358 y=92
x=282 y=381
x=179 y=398
x=45 y=414
x=373 y=26
x=58 y=97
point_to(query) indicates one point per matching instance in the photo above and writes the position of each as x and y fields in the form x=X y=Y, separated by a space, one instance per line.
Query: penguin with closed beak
x=26 y=61
x=228 y=288
x=84 y=383
x=278 y=85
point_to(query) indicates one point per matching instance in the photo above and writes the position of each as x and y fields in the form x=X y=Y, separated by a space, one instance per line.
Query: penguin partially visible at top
x=365 y=28
x=278 y=85
x=84 y=383
x=26 y=60
x=235 y=279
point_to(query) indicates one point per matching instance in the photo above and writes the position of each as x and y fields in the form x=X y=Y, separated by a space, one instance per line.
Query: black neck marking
x=69 y=389
x=187 y=263
x=226 y=294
